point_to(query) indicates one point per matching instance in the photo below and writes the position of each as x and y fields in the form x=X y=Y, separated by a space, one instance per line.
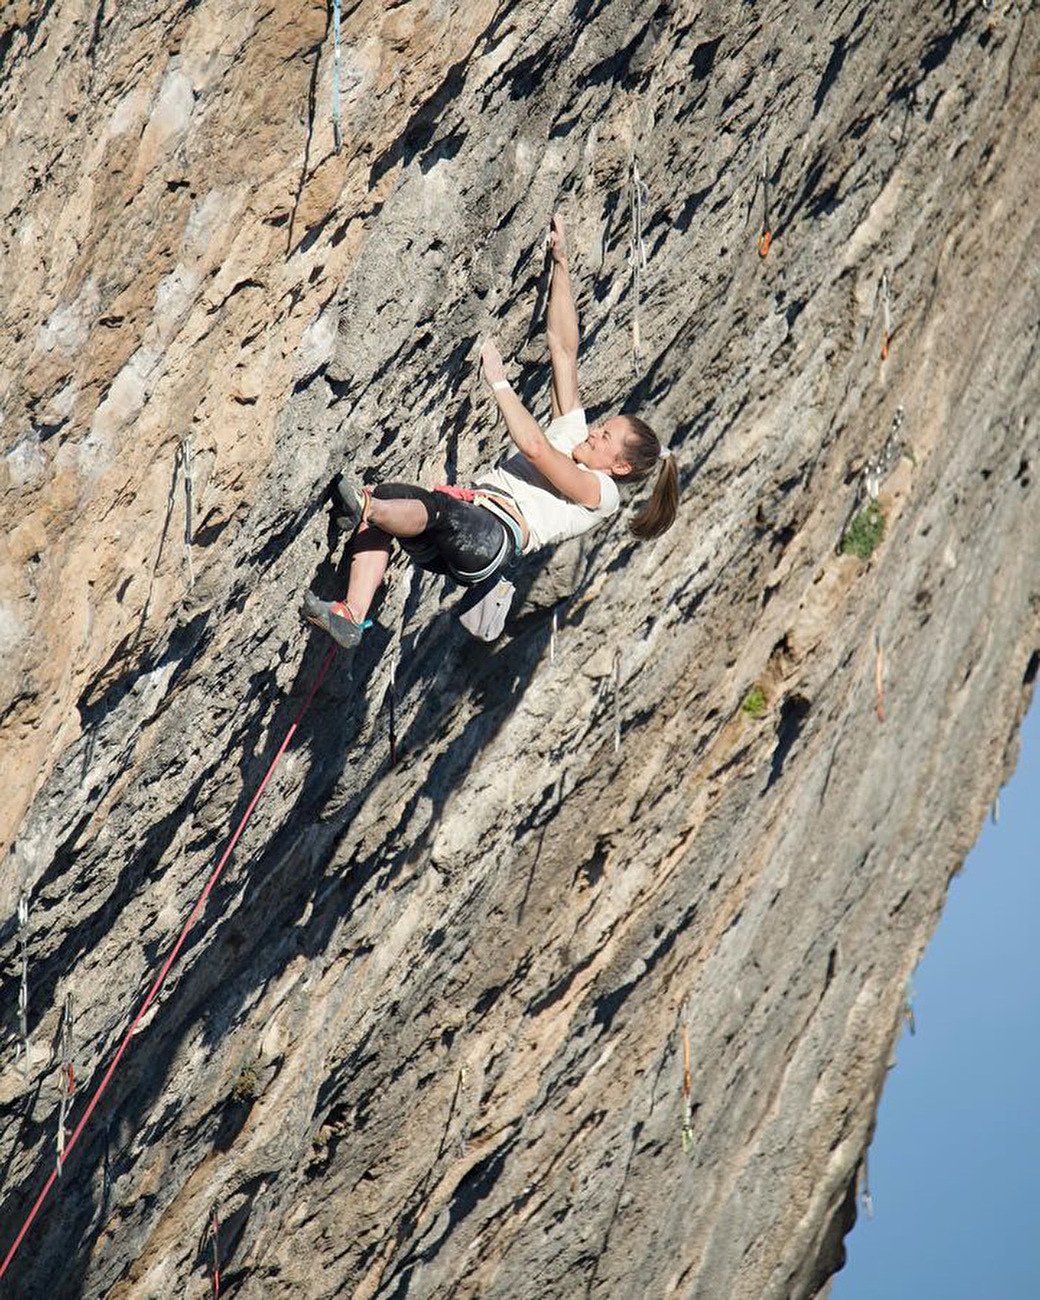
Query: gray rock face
x=427 y=1036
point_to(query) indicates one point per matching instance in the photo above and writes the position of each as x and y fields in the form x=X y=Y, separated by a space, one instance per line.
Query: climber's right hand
x=558 y=240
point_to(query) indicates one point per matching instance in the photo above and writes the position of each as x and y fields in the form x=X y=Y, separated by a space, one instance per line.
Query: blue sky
x=955 y=1161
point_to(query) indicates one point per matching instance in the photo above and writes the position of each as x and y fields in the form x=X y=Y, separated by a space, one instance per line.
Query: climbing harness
x=214 y=1237
x=189 y=489
x=337 y=132
x=503 y=506
x=886 y=314
x=67 y=1080
x=391 y=695
x=23 y=987
x=766 y=236
x=638 y=198
x=498 y=504
x=617 y=700
x=170 y=959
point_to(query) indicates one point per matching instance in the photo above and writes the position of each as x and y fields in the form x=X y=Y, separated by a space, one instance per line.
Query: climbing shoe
x=335 y=618
x=354 y=502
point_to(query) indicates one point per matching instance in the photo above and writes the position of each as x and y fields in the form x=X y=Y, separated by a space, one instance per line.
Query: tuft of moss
x=864 y=532
x=247 y=1085
x=755 y=702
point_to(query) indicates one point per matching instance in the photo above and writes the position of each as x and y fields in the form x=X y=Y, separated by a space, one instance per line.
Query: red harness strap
x=499 y=503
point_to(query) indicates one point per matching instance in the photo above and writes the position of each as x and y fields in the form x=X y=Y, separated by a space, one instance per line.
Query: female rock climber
x=558 y=484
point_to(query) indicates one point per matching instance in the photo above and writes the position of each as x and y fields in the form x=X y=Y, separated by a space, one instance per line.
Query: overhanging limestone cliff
x=428 y=1037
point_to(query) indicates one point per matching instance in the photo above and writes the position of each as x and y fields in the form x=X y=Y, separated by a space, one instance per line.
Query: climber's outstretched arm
x=561 y=327
x=561 y=470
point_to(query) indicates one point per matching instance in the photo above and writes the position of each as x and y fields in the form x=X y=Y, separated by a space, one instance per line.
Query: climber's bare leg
x=367 y=568
x=397 y=517
x=387 y=519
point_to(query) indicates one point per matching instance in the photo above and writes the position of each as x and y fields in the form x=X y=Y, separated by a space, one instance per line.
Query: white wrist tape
x=499 y=384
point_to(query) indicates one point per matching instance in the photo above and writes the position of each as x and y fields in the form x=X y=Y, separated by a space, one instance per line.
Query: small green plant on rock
x=864 y=532
x=755 y=702
x=247 y=1085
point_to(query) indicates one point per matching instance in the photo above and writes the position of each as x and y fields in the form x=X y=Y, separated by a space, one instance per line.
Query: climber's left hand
x=491 y=359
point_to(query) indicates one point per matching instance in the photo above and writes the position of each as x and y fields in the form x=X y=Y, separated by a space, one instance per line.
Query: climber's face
x=604 y=447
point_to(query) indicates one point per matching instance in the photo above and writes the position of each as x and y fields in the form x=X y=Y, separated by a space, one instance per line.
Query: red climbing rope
x=167 y=963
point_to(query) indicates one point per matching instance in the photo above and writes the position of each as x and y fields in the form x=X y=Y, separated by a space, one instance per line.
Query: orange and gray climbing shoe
x=336 y=618
x=354 y=502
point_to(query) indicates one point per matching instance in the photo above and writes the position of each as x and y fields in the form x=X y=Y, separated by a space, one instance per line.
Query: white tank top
x=550 y=516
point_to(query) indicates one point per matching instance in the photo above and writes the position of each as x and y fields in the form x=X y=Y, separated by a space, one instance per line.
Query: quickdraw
x=552 y=639
x=392 y=700
x=687 y=1089
x=865 y=1197
x=908 y=1006
x=878 y=467
x=886 y=316
x=189 y=492
x=765 y=239
x=545 y=277
x=617 y=700
x=879 y=677
x=67 y=1079
x=23 y=987
x=213 y=1234
x=638 y=198
x=337 y=132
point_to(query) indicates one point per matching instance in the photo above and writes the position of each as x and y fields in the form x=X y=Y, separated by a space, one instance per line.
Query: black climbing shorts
x=463 y=540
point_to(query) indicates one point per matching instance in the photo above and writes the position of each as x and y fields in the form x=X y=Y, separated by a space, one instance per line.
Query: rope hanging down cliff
x=65 y=1148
